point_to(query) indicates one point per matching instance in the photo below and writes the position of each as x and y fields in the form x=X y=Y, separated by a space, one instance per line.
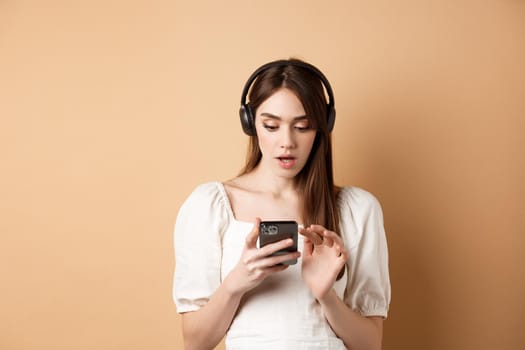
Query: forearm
x=356 y=331
x=204 y=329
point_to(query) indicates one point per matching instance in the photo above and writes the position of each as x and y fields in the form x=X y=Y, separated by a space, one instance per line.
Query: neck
x=276 y=185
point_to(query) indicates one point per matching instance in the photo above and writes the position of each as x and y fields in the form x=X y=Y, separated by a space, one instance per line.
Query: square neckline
x=229 y=208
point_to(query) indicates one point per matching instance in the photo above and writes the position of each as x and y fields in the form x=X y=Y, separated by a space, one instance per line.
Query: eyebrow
x=272 y=116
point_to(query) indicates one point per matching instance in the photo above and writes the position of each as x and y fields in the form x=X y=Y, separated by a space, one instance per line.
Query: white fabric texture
x=280 y=313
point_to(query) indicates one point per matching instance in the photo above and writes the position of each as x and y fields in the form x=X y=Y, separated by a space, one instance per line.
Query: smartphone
x=274 y=231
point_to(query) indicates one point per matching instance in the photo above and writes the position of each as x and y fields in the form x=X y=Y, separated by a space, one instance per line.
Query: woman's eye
x=270 y=127
x=302 y=127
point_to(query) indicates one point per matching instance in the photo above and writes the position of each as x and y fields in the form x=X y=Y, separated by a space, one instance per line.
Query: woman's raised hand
x=256 y=264
x=324 y=255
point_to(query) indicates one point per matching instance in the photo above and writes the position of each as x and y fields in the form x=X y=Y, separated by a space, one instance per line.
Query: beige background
x=112 y=111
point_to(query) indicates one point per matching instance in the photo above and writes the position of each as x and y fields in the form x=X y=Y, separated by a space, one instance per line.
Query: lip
x=286 y=161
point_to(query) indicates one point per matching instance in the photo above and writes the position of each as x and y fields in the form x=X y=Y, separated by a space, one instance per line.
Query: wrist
x=327 y=298
x=231 y=288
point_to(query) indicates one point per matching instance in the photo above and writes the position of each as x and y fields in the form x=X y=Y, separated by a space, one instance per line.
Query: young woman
x=338 y=293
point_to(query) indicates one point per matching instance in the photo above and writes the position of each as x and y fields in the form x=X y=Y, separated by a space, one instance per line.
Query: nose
x=287 y=138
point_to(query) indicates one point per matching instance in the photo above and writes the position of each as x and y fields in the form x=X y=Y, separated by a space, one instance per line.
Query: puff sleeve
x=368 y=286
x=198 y=249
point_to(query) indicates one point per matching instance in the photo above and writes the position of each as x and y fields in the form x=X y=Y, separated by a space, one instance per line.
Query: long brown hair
x=315 y=182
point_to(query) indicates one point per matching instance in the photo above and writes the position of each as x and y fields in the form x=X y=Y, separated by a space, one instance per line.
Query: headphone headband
x=247 y=115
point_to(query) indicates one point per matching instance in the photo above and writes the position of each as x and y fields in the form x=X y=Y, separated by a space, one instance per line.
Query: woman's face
x=284 y=133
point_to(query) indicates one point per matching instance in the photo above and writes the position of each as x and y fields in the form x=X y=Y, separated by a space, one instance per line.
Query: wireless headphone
x=247 y=114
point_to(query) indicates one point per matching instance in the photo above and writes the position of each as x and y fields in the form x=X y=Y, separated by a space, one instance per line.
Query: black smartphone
x=274 y=231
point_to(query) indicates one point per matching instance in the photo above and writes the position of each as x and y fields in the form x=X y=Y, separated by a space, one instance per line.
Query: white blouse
x=280 y=313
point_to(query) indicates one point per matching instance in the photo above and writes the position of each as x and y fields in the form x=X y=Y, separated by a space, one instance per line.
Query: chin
x=288 y=174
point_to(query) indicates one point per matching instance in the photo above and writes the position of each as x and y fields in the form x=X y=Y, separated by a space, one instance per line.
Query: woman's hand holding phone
x=256 y=264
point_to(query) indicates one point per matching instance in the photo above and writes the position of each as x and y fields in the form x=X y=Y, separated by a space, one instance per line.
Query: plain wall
x=113 y=111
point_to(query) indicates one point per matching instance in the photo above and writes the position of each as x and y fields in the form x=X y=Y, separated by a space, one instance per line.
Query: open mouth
x=286 y=162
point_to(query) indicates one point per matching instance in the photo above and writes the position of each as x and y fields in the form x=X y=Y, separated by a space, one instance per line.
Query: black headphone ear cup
x=247 y=120
x=330 y=111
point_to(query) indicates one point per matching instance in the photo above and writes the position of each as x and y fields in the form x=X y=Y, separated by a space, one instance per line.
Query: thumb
x=308 y=247
x=251 y=239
